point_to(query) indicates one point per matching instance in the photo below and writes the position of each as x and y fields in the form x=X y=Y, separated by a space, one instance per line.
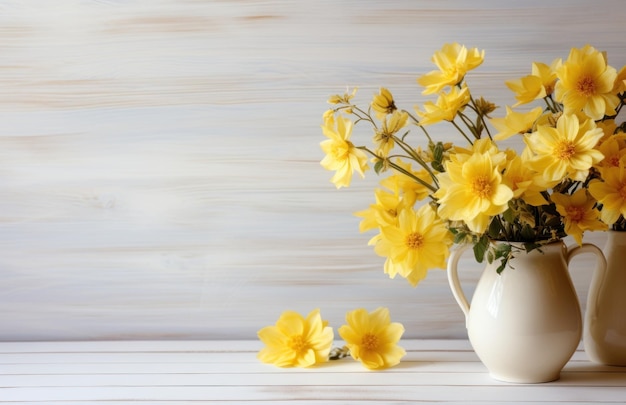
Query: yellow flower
x=611 y=193
x=567 y=150
x=586 y=83
x=411 y=190
x=614 y=152
x=453 y=61
x=472 y=191
x=515 y=123
x=383 y=103
x=381 y=214
x=446 y=107
x=296 y=341
x=418 y=243
x=620 y=82
x=524 y=182
x=345 y=99
x=526 y=89
x=341 y=155
x=578 y=213
x=392 y=123
x=372 y=338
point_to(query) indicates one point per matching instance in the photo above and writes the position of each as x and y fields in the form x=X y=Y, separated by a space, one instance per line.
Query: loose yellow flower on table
x=372 y=338
x=296 y=341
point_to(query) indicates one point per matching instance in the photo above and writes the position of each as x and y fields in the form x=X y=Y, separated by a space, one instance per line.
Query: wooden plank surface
x=159 y=159
x=180 y=372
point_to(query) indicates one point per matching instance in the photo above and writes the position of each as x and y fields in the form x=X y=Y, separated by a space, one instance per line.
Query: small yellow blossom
x=342 y=99
x=578 y=214
x=383 y=138
x=528 y=88
x=341 y=155
x=372 y=338
x=446 y=107
x=472 y=191
x=296 y=341
x=418 y=243
x=620 y=82
x=611 y=193
x=567 y=150
x=614 y=151
x=515 y=123
x=382 y=213
x=453 y=61
x=383 y=103
x=586 y=83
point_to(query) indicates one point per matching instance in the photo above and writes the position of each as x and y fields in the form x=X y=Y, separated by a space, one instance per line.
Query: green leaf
x=378 y=166
x=460 y=237
x=480 y=248
x=495 y=227
x=528 y=233
x=502 y=266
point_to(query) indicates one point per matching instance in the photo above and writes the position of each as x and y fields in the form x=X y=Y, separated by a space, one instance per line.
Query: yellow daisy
x=453 y=61
x=296 y=341
x=446 y=107
x=341 y=155
x=383 y=103
x=578 y=214
x=472 y=191
x=567 y=150
x=586 y=83
x=515 y=123
x=418 y=243
x=611 y=193
x=372 y=338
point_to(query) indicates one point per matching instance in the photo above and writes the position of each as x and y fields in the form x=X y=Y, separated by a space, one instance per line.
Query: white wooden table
x=227 y=372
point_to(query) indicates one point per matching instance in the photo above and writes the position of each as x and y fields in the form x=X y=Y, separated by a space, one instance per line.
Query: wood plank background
x=159 y=159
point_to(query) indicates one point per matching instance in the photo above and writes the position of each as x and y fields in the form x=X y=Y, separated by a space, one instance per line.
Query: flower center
x=576 y=214
x=298 y=344
x=414 y=240
x=613 y=161
x=565 y=150
x=369 y=341
x=586 y=86
x=481 y=186
x=392 y=212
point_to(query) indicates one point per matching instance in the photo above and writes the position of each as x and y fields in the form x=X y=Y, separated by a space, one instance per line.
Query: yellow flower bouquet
x=569 y=178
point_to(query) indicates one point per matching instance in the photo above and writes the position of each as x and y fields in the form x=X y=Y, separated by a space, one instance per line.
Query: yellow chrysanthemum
x=567 y=150
x=341 y=155
x=446 y=107
x=472 y=191
x=419 y=243
x=453 y=61
x=383 y=103
x=586 y=83
x=296 y=341
x=515 y=123
x=372 y=338
x=392 y=123
x=579 y=214
x=611 y=193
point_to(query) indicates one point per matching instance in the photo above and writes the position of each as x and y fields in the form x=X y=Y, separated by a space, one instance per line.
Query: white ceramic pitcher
x=525 y=323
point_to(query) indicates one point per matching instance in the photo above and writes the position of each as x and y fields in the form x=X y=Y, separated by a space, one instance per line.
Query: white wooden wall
x=159 y=159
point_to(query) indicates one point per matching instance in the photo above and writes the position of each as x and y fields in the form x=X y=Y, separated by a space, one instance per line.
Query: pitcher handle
x=575 y=250
x=455 y=283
